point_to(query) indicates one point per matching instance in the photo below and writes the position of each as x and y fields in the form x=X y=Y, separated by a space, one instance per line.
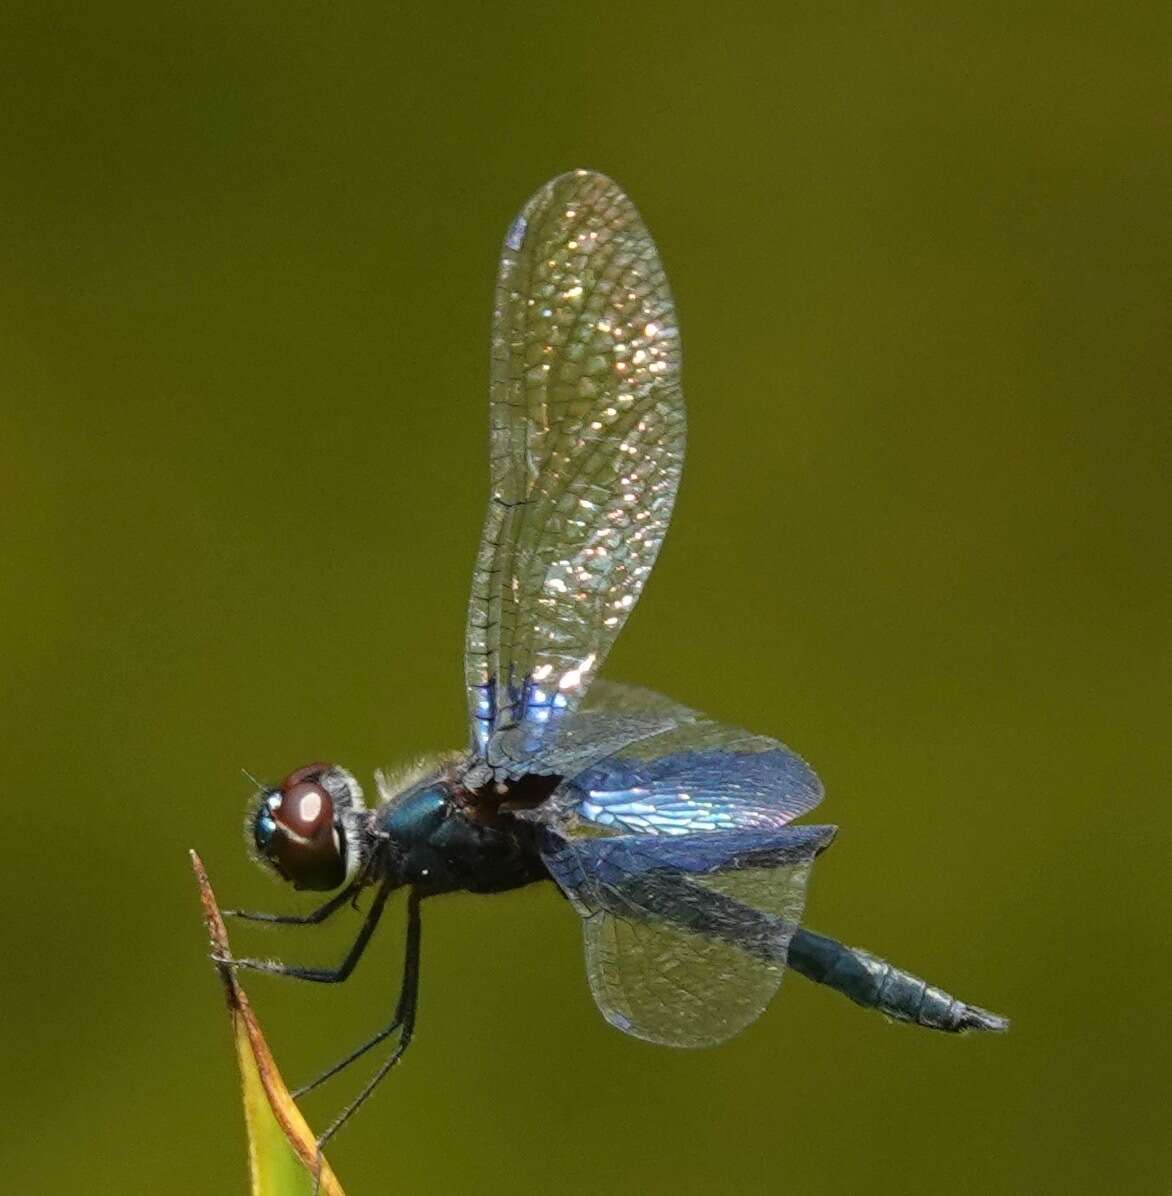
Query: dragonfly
x=672 y=836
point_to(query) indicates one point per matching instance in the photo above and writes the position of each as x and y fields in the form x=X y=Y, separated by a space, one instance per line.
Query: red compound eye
x=304 y=844
x=305 y=809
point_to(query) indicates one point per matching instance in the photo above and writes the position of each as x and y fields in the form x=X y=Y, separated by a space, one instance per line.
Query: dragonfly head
x=309 y=828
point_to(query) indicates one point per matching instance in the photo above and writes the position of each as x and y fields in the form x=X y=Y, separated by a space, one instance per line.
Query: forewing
x=587 y=445
x=564 y=746
x=686 y=938
x=616 y=697
x=691 y=775
x=612 y=717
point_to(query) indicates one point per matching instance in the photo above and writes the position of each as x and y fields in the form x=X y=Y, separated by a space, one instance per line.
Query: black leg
x=320 y=914
x=407 y=1006
x=406 y=996
x=322 y=975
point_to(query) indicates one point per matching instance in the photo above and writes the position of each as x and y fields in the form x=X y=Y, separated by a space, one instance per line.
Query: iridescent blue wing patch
x=686 y=938
x=691 y=776
x=587 y=445
x=727 y=787
x=611 y=717
x=565 y=747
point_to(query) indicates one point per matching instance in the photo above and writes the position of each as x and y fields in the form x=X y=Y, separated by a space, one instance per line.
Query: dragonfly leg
x=406 y=996
x=408 y=1004
x=314 y=917
x=320 y=975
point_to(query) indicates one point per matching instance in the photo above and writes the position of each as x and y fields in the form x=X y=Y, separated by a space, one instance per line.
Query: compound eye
x=305 y=809
x=296 y=833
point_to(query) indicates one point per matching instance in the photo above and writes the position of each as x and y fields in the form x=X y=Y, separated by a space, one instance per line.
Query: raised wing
x=612 y=717
x=587 y=445
x=686 y=938
x=684 y=775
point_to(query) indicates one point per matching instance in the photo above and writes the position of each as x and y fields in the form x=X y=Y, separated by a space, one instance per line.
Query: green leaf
x=282 y=1151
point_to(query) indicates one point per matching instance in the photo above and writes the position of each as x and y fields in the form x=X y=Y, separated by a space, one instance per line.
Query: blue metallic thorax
x=412 y=818
x=438 y=838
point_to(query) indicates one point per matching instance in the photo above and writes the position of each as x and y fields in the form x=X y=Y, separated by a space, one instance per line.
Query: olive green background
x=922 y=258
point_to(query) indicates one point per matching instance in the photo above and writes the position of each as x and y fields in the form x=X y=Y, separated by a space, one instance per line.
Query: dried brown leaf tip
x=283 y=1154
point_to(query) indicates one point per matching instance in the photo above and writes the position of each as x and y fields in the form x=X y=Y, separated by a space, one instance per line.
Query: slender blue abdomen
x=876 y=984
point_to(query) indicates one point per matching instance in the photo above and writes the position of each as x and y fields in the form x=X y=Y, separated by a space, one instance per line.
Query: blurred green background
x=922 y=258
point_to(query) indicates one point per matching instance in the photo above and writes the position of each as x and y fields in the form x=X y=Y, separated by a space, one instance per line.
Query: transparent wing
x=587 y=445
x=565 y=746
x=611 y=717
x=686 y=938
x=616 y=697
x=685 y=774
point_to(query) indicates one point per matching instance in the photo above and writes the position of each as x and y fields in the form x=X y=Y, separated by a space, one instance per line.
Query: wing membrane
x=587 y=444
x=685 y=774
x=686 y=938
x=611 y=717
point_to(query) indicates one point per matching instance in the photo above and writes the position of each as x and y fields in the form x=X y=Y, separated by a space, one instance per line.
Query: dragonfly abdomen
x=876 y=984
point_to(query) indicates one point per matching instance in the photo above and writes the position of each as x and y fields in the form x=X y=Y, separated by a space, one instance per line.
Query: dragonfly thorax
x=441 y=838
